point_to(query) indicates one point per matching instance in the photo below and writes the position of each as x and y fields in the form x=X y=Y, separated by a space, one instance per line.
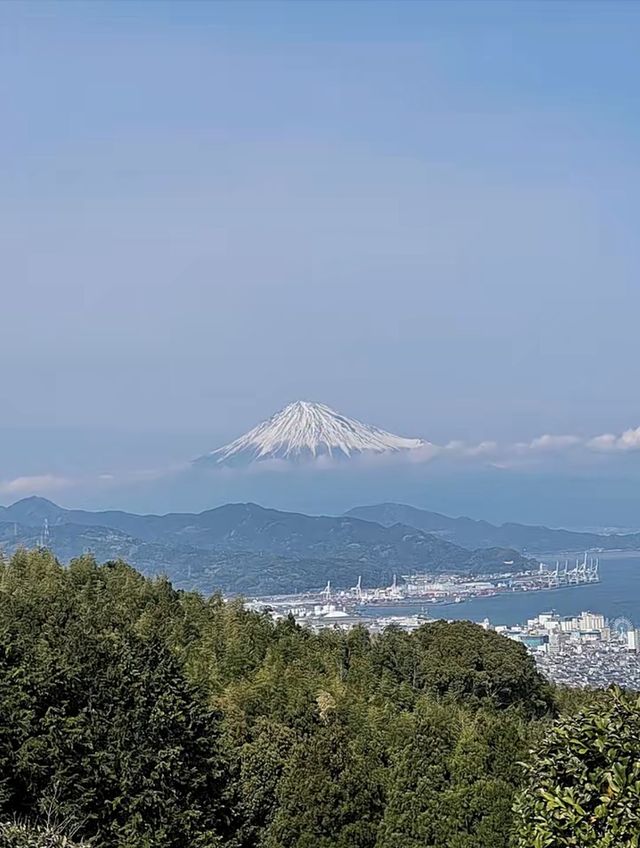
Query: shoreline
x=419 y=602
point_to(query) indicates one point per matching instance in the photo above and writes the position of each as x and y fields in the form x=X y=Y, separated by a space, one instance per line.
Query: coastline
x=410 y=602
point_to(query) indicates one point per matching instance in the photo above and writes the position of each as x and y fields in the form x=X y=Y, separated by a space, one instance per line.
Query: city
x=582 y=651
x=585 y=650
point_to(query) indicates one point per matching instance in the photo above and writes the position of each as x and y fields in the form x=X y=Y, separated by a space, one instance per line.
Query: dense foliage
x=20 y=835
x=136 y=715
x=583 y=785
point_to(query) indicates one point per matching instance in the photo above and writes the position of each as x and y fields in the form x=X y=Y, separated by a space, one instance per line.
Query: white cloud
x=547 y=448
x=34 y=485
x=606 y=442
x=550 y=443
x=627 y=441
x=546 y=445
x=486 y=448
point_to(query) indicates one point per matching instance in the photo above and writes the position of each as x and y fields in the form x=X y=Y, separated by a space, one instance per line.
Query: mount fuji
x=305 y=432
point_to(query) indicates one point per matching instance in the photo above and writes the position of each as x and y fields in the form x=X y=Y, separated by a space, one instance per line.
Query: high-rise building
x=591 y=621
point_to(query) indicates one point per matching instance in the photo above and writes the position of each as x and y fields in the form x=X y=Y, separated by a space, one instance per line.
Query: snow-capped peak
x=307 y=431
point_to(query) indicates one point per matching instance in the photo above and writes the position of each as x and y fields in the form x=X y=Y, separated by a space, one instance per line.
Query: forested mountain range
x=244 y=547
x=248 y=549
x=481 y=534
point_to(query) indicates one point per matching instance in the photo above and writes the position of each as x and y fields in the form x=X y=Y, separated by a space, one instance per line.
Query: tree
x=116 y=736
x=19 y=835
x=418 y=778
x=144 y=717
x=449 y=787
x=101 y=720
x=475 y=666
x=262 y=762
x=583 y=783
x=331 y=795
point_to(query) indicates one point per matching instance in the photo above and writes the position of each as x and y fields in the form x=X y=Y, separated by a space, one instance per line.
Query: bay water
x=616 y=595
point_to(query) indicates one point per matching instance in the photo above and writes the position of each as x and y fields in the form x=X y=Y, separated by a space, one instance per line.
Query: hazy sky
x=423 y=214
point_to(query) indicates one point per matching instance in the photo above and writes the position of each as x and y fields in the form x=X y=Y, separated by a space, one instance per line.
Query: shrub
x=583 y=783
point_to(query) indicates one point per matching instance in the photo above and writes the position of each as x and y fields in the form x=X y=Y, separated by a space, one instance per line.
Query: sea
x=617 y=595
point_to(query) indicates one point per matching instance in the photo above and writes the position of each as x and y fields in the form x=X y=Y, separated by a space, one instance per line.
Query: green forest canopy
x=137 y=716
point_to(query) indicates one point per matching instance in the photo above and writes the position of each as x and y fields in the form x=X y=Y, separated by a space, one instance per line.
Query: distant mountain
x=244 y=547
x=303 y=432
x=480 y=534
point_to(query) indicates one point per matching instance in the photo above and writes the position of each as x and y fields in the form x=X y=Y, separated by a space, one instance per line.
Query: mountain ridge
x=305 y=550
x=467 y=532
x=463 y=531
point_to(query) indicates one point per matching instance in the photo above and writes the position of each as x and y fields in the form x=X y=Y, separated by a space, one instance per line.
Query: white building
x=591 y=621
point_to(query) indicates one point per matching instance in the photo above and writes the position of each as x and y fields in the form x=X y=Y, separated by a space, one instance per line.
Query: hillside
x=213 y=726
x=244 y=547
x=480 y=534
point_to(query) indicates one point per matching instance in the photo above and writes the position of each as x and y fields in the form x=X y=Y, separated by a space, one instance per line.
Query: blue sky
x=423 y=214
